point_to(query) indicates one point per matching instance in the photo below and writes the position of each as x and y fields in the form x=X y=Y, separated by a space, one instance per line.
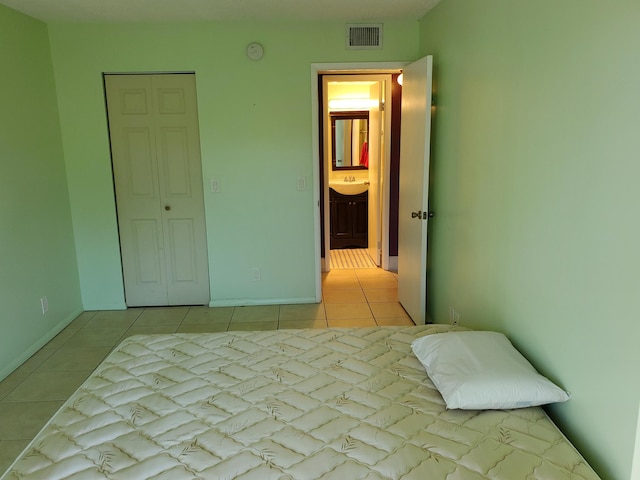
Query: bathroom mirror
x=349 y=140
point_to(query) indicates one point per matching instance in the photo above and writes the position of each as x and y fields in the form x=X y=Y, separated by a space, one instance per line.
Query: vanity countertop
x=349 y=188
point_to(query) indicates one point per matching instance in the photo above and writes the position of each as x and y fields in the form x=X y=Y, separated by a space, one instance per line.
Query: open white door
x=414 y=188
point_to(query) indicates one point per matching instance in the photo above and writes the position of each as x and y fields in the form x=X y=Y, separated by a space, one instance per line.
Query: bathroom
x=357 y=164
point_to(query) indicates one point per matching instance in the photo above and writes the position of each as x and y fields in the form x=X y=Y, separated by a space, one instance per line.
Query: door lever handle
x=417 y=214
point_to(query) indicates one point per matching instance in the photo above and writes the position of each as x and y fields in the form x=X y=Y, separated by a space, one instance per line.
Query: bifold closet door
x=155 y=149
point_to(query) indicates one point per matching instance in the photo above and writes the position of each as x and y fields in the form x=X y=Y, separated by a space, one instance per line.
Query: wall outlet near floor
x=44 y=303
x=256 y=275
x=454 y=317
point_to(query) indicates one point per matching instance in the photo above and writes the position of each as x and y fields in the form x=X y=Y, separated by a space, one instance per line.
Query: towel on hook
x=364 y=155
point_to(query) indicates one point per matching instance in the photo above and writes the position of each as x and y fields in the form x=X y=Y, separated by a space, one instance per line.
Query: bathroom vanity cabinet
x=349 y=220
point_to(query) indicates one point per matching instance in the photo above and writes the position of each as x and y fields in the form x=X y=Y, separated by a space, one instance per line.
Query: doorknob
x=167 y=207
x=417 y=214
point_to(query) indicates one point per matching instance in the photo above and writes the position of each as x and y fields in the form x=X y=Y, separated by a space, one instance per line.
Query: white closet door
x=155 y=144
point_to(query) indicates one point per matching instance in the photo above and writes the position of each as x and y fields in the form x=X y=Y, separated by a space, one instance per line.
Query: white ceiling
x=221 y=10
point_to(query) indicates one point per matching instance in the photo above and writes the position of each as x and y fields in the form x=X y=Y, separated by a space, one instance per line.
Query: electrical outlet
x=215 y=185
x=44 y=303
x=301 y=183
x=454 y=317
x=256 y=275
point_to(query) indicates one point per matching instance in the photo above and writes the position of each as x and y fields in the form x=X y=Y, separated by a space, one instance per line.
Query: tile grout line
x=375 y=320
x=183 y=317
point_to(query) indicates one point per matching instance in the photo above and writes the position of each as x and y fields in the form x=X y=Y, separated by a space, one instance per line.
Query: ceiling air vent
x=361 y=36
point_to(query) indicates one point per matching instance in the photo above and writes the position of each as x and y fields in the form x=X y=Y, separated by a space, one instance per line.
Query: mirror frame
x=346 y=115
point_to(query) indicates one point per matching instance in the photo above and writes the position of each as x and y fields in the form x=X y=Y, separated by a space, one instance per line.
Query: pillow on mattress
x=482 y=370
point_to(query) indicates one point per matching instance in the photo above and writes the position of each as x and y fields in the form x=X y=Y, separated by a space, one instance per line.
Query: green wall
x=36 y=237
x=535 y=174
x=535 y=165
x=255 y=126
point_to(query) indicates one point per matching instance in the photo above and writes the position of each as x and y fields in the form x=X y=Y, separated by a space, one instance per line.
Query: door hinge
x=420 y=215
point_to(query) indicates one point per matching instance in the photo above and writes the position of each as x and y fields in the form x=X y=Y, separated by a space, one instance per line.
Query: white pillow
x=482 y=370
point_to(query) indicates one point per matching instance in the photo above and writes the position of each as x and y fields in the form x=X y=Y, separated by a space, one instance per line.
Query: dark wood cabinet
x=349 y=220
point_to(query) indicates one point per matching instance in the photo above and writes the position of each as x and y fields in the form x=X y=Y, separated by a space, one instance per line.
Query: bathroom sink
x=349 y=188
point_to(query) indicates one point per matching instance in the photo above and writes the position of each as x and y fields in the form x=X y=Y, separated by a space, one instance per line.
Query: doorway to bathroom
x=414 y=111
x=359 y=126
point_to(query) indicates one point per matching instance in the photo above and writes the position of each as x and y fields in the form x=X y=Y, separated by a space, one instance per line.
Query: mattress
x=285 y=404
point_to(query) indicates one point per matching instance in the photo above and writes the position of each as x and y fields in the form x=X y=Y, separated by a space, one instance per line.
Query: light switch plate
x=215 y=185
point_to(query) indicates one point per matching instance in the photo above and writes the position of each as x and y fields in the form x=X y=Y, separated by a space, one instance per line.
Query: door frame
x=317 y=69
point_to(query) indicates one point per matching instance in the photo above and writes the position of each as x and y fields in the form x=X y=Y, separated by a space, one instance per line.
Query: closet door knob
x=167 y=207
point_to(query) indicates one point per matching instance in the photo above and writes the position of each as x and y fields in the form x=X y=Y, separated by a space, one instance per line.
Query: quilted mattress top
x=285 y=404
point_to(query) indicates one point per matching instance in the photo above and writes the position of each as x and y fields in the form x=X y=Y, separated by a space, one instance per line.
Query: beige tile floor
x=34 y=392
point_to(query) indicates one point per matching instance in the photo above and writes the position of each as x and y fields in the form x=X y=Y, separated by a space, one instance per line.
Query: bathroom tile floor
x=36 y=390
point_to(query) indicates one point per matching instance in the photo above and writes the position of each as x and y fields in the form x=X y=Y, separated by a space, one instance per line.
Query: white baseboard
x=105 y=306
x=393 y=264
x=242 y=302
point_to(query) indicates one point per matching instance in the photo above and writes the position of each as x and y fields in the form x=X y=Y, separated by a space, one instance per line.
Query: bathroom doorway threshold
x=346 y=258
